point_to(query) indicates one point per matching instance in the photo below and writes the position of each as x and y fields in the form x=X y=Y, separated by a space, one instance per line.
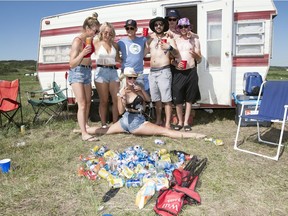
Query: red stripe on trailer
x=251 y=61
x=254 y=15
x=77 y=29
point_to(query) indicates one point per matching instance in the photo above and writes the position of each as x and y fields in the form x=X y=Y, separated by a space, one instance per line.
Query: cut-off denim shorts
x=131 y=121
x=106 y=75
x=80 y=75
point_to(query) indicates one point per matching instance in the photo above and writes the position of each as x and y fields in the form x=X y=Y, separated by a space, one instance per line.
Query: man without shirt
x=160 y=77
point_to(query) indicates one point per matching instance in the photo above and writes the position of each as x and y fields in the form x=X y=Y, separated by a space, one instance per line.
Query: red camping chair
x=10 y=100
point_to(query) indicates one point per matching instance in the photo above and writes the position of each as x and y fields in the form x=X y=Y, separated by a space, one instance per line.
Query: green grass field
x=44 y=181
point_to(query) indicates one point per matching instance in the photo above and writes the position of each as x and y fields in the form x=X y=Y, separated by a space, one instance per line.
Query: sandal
x=177 y=127
x=187 y=128
x=104 y=126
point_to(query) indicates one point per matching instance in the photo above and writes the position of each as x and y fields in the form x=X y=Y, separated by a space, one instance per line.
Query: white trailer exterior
x=235 y=37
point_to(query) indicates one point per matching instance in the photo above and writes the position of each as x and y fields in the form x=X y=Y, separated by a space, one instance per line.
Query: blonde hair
x=102 y=29
x=91 y=21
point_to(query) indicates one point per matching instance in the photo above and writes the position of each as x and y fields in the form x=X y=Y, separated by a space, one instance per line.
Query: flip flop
x=177 y=127
x=187 y=128
x=91 y=139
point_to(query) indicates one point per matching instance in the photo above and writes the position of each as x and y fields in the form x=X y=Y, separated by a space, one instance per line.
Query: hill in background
x=16 y=66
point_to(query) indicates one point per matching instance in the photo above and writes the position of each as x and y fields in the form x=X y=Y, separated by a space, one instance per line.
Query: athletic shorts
x=80 y=75
x=131 y=121
x=160 y=85
x=185 y=86
x=106 y=75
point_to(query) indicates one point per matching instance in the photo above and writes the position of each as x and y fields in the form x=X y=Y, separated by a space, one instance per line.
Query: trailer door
x=215 y=20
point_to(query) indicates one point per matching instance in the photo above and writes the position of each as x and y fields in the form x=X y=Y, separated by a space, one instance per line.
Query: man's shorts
x=160 y=85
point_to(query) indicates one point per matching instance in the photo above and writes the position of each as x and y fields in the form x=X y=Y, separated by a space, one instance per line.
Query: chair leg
x=279 y=144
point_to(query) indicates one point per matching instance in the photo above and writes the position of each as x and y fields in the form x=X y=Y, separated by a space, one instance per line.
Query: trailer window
x=250 y=38
x=56 y=54
x=214 y=35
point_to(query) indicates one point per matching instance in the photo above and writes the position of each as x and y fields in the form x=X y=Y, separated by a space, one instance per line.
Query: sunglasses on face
x=129 y=78
x=183 y=26
x=158 y=24
x=108 y=33
x=172 y=19
x=129 y=28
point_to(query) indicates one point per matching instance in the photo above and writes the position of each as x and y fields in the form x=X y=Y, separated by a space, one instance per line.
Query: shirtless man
x=160 y=77
x=185 y=87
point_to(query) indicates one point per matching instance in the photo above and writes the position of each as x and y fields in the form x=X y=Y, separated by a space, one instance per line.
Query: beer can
x=22 y=129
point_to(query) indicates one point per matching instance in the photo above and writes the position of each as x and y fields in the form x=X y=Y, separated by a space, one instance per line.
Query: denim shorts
x=79 y=75
x=106 y=75
x=131 y=121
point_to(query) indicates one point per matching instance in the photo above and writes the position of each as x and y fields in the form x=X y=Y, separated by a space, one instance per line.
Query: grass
x=44 y=181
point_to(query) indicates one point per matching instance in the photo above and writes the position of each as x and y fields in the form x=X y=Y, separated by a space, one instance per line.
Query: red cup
x=164 y=40
x=145 y=32
x=184 y=62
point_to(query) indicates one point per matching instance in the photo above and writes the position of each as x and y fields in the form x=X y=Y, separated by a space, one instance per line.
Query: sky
x=20 y=23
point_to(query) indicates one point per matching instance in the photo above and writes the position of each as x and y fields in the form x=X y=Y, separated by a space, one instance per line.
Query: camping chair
x=50 y=103
x=10 y=100
x=273 y=108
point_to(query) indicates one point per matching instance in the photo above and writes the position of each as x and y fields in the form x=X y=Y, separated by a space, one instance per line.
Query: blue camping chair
x=273 y=108
x=43 y=101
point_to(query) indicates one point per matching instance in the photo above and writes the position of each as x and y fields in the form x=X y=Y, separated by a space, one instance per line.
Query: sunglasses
x=183 y=26
x=129 y=78
x=172 y=19
x=108 y=33
x=158 y=24
x=129 y=28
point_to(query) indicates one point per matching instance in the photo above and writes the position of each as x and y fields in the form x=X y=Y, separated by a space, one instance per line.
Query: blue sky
x=20 y=21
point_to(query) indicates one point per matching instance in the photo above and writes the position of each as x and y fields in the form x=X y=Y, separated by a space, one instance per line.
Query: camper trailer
x=235 y=37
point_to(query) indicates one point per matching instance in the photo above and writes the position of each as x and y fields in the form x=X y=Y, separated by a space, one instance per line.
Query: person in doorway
x=172 y=16
x=106 y=77
x=131 y=104
x=160 y=77
x=80 y=71
x=132 y=49
x=185 y=87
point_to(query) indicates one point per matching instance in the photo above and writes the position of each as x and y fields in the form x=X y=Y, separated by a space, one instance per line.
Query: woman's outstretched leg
x=150 y=129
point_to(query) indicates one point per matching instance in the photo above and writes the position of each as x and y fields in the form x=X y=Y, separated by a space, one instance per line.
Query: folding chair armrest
x=10 y=100
x=243 y=103
x=61 y=90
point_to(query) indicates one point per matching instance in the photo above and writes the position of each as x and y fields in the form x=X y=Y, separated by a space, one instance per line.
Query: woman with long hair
x=80 y=71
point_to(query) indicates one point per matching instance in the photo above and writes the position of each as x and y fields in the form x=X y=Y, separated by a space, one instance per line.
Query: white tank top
x=105 y=58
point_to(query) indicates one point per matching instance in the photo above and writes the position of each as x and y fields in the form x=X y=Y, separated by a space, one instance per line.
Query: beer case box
x=248 y=110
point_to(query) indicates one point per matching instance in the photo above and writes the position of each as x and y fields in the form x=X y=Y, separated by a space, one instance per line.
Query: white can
x=22 y=129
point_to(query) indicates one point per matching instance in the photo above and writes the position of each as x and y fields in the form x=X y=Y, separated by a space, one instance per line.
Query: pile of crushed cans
x=132 y=167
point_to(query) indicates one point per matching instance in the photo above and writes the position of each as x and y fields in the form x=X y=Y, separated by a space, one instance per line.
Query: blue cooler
x=251 y=83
